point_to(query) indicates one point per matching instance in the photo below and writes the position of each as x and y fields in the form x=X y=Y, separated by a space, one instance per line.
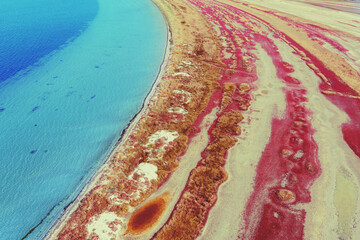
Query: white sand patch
x=158 y=142
x=186 y=62
x=178 y=110
x=186 y=98
x=216 y=28
x=182 y=74
x=298 y=155
x=164 y=135
x=146 y=171
x=227 y=54
x=106 y=226
x=285 y=180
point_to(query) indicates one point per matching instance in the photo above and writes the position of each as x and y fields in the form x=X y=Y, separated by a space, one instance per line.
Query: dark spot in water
x=50 y=84
x=2 y=109
x=45 y=151
x=33 y=151
x=96 y=66
x=35 y=125
x=56 y=109
x=120 y=47
x=35 y=108
x=55 y=77
x=92 y=97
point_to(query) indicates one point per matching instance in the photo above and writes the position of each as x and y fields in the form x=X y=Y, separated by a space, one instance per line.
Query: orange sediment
x=148 y=215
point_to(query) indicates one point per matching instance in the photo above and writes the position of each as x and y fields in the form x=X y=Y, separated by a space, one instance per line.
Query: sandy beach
x=249 y=131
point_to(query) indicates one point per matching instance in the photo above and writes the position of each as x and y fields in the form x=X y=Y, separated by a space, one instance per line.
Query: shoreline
x=72 y=206
x=191 y=76
x=222 y=57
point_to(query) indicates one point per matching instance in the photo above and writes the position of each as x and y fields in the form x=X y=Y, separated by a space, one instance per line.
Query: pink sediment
x=296 y=172
x=289 y=164
x=351 y=130
x=300 y=173
x=293 y=133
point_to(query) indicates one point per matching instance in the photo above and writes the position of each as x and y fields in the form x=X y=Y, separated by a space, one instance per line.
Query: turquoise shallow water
x=61 y=117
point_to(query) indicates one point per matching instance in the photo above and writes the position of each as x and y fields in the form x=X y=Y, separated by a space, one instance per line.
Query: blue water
x=30 y=29
x=60 y=116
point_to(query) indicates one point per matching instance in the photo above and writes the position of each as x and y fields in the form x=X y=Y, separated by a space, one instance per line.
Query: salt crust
x=106 y=226
x=141 y=177
x=147 y=172
x=184 y=74
x=187 y=63
x=186 y=94
x=299 y=154
x=165 y=135
x=178 y=110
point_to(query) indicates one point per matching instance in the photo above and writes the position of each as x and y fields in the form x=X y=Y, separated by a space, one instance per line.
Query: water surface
x=61 y=117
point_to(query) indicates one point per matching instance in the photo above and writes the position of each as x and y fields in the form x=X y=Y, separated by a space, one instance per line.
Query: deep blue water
x=30 y=29
x=62 y=113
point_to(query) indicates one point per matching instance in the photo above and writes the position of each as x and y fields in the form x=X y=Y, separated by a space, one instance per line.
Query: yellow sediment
x=332 y=61
x=345 y=199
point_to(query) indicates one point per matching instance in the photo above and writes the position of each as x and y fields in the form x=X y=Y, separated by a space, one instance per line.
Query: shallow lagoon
x=60 y=118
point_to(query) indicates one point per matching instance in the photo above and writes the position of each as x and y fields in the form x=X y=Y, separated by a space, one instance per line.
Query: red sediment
x=292 y=152
x=280 y=219
x=291 y=176
x=299 y=175
x=351 y=130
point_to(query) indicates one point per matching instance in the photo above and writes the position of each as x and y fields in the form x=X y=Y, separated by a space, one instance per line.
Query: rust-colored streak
x=146 y=216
